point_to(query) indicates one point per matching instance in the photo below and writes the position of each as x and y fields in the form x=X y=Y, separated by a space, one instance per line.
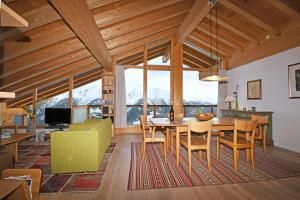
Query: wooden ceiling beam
x=38 y=16
x=195 y=61
x=286 y=40
x=197 y=13
x=44 y=67
x=144 y=41
x=203 y=58
x=144 y=32
x=205 y=40
x=108 y=15
x=37 y=80
x=40 y=56
x=205 y=47
x=288 y=7
x=39 y=38
x=10 y=18
x=223 y=35
x=96 y=3
x=145 y=20
x=231 y=27
x=251 y=17
x=79 y=18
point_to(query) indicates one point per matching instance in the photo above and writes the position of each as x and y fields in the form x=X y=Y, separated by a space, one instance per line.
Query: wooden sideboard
x=247 y=115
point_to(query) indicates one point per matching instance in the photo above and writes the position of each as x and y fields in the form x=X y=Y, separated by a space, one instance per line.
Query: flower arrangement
x=235 y=93
x=32 y=109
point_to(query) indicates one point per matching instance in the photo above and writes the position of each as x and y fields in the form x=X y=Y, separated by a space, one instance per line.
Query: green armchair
x=81 y=148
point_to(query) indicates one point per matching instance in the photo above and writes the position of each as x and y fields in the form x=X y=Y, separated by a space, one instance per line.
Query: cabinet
x=247 y=115
x=108 y=95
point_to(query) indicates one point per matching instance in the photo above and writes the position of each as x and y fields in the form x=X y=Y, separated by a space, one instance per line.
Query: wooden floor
x=114 y=185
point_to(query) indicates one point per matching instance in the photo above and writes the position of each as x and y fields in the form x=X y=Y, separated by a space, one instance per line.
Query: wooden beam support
x=270 y=47
x=176 y=76
x=78 y=16
x=71 y=85
x=207 y=60
x=10 y=18
x=197 y=13
x=145 y=85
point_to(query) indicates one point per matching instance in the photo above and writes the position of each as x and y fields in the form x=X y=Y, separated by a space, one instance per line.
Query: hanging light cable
x=214 y=76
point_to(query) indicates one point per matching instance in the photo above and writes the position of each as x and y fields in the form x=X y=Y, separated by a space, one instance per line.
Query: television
x=57 y=116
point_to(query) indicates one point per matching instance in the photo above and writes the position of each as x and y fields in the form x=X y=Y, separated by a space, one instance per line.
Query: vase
x=31 y=125
x=236 y=103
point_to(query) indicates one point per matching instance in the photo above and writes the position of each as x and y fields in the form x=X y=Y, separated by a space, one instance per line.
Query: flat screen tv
x=56 y=116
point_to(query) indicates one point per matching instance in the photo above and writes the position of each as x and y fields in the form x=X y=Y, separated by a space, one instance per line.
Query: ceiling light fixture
x=215 y=76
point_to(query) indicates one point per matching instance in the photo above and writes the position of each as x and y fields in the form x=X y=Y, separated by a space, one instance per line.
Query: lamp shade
x=229 y=99
x=7 y=95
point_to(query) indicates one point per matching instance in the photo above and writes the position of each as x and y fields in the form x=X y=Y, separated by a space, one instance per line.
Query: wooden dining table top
x=224 y=121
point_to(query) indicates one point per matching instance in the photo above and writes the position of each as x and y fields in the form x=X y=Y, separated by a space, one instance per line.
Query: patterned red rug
x=154 y=172
x=38 y=156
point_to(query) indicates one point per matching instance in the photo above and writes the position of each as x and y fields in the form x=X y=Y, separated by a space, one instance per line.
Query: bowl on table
x=204 y=116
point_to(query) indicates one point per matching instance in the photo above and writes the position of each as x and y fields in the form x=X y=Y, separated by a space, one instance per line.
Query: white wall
x=273 y=71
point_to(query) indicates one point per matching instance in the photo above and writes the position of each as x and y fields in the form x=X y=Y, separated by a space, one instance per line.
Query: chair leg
x=172 y=142
x=217 y=148
x=190 y=160
x=252 y=158
x=200 y=154
x=208 y=159
x=161 y=147
x=235 y=156
x=265 y=145
x=165 y=150
x=248 y=154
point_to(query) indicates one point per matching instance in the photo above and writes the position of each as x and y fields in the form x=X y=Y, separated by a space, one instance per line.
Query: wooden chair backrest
x=36 y=175
x=199 y=127
x=245 y=126
x=260 y=119
x=142 y=125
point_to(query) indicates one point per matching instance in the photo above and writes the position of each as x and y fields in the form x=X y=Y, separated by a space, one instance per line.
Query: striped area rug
x=155 y=172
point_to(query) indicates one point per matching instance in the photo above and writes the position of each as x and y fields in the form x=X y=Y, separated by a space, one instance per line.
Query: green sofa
x=81 y=148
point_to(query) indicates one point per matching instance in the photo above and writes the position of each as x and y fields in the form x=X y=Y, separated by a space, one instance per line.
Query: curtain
x=222 y=93
x=121 y=111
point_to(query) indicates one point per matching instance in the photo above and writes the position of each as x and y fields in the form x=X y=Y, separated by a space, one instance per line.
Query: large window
x=158 y=61
x=158 y=93
x=134 y=94
x=196 y=93
x=89 y=94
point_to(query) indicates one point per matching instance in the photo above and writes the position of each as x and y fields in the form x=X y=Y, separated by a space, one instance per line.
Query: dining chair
x=153 y=136
x=236 y=142
x=192 y=143
x=35 y=174
x=182 y=130
x=261 y=133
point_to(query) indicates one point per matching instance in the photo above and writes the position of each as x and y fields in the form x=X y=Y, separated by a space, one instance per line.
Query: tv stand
x=60 y=127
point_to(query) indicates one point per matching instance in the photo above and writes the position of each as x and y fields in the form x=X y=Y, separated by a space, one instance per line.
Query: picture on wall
x=254 y=90
x=294 y=80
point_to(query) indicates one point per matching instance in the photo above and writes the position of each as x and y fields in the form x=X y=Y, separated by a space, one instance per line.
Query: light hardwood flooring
x=114 y=185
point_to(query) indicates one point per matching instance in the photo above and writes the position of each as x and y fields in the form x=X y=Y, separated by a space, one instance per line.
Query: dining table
x=180 y=125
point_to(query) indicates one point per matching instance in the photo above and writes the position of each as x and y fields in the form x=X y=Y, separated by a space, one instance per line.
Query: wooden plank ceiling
x=81 y=38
